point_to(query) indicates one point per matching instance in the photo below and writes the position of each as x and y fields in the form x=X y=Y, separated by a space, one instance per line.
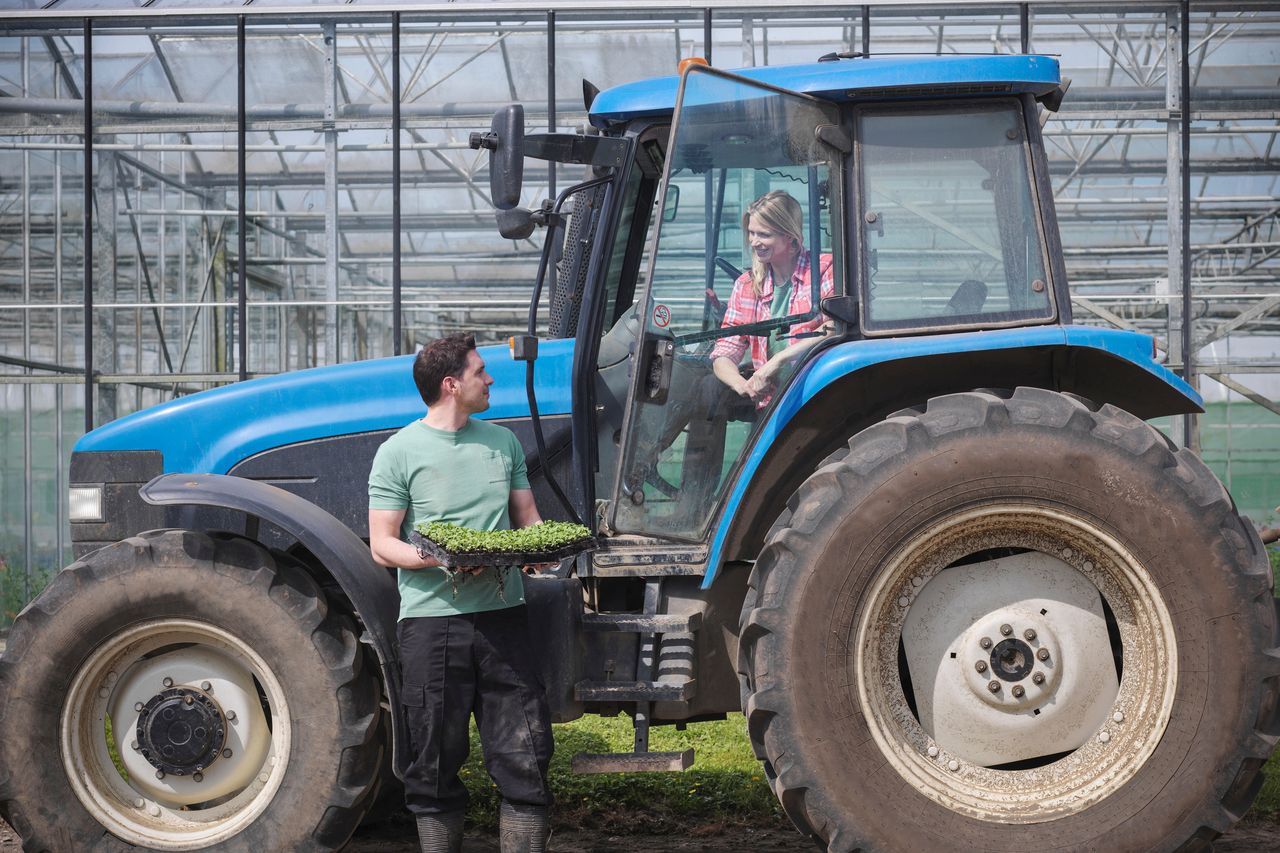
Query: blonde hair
x=780 y=212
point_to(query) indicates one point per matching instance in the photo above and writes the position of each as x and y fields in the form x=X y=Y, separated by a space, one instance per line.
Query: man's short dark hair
x=443 y=357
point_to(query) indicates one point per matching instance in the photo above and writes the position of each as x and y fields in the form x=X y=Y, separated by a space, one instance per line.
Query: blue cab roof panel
x=852 y=79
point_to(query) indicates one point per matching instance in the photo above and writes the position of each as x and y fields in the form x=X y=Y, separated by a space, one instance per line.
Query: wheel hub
x=181 y=730
x=1009 y=658
x=1012 y=660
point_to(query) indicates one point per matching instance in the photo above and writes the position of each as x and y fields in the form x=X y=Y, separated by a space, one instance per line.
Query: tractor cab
x=913 y=184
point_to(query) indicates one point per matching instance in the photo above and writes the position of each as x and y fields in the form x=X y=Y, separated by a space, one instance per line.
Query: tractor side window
x=951 y=231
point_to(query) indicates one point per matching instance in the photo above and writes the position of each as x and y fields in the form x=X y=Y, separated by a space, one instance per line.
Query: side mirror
x=505 y=141
x=516 y=223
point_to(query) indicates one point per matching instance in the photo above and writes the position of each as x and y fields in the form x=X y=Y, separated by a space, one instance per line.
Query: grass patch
x=13 y=589
x=725 y=786
x=115 y=753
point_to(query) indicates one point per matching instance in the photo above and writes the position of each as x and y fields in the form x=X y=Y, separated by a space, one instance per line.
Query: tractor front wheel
x=1012 y=622
x=177 y=691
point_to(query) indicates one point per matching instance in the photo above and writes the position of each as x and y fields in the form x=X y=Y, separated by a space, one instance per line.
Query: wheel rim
x=199 y=723
x=1115 y=739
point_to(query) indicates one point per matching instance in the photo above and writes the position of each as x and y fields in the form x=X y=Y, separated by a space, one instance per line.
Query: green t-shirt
x=466 y=478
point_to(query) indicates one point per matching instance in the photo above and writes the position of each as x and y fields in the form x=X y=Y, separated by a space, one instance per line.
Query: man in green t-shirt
x=464 y=641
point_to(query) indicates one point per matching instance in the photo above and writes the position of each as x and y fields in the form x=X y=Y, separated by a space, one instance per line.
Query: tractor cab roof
x=864 y=78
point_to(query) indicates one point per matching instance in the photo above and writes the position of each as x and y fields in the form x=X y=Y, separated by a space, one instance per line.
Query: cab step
x=639 y=623
x=633 y=691
x=632 y=762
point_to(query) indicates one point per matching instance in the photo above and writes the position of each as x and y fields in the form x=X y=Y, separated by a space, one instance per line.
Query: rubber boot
x=440 y=833
x=523 y=829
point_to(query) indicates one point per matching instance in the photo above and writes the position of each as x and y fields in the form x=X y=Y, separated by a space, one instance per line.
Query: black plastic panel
x=333 y=473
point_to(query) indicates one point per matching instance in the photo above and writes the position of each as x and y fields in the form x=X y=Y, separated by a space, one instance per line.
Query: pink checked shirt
x=745 y=307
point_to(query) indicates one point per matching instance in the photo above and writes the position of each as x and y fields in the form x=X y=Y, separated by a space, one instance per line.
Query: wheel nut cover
x=181 y=730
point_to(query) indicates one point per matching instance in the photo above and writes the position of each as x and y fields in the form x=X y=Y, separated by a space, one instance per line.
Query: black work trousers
x=481 y=663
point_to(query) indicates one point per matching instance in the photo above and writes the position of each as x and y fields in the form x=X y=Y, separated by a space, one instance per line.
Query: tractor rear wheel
x=180 y=691
x=1012 y=622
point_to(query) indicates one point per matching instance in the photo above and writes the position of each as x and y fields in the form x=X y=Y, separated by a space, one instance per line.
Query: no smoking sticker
x=661 y=316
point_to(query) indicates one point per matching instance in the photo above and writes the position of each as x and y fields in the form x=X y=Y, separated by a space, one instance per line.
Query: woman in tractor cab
x=779 y=284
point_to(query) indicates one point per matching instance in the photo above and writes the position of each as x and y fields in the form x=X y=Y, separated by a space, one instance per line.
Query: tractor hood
x=209 y=432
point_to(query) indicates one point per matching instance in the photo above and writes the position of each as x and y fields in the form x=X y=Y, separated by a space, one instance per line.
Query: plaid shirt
x=745 y=307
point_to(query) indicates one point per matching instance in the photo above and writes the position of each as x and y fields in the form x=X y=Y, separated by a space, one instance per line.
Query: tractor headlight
x=85 y=503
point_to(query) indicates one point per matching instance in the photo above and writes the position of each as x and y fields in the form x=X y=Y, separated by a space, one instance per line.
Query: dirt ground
x=396 y=837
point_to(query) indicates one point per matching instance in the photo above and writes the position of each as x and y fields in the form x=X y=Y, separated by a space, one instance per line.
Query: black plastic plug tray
x=451 y=560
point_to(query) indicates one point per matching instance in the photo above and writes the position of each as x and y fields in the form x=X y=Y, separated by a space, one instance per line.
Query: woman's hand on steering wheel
x=761 y=382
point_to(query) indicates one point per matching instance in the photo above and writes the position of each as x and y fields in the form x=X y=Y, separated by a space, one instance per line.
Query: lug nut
x=993 y=686
x=167 y=681
x=231 y=716
x=1018 y=691
x=1038 y=678
x=226 y=753
x=985 y=642
x=206 y=686
x=138 y=706
x=980 y=666
x=159 y=774
x=1006 y=630
x=1043 y=654
x=197 y=777
x=1030 y=634
x=134 y=746
x=188 y=700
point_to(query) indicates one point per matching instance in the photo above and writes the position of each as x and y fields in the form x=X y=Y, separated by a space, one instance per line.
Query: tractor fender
x=851 y=385
x=370 y=587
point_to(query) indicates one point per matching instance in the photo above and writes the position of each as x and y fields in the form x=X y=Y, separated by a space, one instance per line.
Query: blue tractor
x=964 y=594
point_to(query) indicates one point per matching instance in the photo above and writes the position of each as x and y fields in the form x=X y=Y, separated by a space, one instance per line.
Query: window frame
x=857 y=223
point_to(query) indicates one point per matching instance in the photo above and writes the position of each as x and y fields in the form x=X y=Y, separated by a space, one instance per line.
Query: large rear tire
x=1103 y=575
x=243 y=712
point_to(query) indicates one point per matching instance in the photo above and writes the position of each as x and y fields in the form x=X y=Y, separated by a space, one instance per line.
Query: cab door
x=685 y=429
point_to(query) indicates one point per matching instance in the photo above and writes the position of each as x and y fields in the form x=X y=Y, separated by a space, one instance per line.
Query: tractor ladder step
x=646 y=557
x=639 y=623
x=632 y=762
x=633 y=691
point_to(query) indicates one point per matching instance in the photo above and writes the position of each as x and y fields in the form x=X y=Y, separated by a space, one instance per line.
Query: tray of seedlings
x=461 y=547
x=494 y=552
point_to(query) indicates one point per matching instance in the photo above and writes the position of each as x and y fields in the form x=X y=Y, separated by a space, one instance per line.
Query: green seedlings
x=537 y=538
x=523 y=545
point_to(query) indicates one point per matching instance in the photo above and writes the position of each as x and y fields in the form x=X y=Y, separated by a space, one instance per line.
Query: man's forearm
x=394 y=553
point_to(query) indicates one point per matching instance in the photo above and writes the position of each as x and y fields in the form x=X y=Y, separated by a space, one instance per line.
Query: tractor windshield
x=952 y=235
x=746 y=249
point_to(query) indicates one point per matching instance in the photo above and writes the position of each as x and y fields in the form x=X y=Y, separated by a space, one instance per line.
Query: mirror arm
x=488 y=141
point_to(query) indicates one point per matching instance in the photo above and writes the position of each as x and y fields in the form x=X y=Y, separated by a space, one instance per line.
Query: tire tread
x=779 y=567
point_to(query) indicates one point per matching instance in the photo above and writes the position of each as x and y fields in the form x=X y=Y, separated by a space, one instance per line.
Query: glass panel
x=732 y=299
x=459 y=273
x=949 y=220
x=41 y=315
